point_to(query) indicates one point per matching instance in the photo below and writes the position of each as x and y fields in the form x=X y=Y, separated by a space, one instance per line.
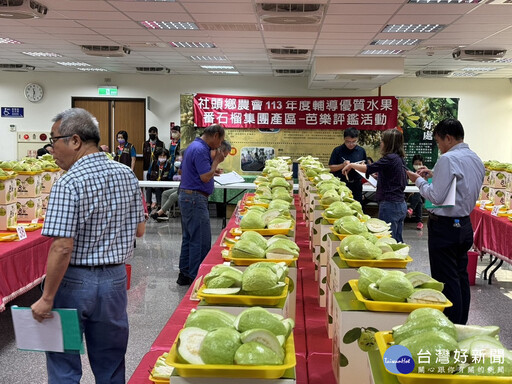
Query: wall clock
x=34 y=92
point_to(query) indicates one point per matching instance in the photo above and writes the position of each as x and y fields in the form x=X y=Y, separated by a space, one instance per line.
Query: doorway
x=116 y=115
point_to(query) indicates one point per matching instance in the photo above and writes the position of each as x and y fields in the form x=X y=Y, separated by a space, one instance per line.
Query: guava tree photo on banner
x=417 y=117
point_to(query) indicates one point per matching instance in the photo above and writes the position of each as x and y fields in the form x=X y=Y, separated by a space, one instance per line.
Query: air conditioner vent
x=478 y=54
x=21 y=9
x=16 y=67
x=288 y=54
x=105 y=50
x=433 y=73
x=276 y=13
x=153 y=70
x=289 y=72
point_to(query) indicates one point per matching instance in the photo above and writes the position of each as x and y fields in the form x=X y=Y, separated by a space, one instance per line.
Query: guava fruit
x=391 y=255
x=270 y=215
x=282 y=247
x=257 y=317
x=366 y=341
x=362 y=250
x=209 y=319
x=329 y=197
x=367 y=276
x=376 y=225
x=253 y=353
x=282 y=205
x=377 y=295
x=3 y=212
x=400 y=248
x=423 y=324
x=264 y=337
x=189 y=344
x=254 y=237
x=427 y=296
x=349 y=225
x=246 y=249
x=467 y=331
x=280 y=223
x=427 y=313
x=417 y=278
x=219 y=346
x=431 y=341
x=222 y=291
x=258 y=279
x=369 y=236
x=395 y=285
x=276 y=290
x=252 y=220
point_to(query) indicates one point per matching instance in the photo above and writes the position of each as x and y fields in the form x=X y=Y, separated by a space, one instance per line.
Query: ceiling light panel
x=478 y=69
x=383 y=52
x=188 y=44
x=224 y=72
x=6 y=40
x=172 y=25
x=217 y=67
x=92 y=69
x=42 y=54
x=413 y=28
x=72 y=64
x=396 y=42
x=208 y=58
x=444 y=1
x=463 y=74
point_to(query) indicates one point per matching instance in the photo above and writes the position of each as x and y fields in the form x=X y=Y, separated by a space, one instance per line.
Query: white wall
x=485 y=105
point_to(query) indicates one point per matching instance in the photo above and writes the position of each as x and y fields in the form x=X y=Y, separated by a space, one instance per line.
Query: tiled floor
x=154 y=295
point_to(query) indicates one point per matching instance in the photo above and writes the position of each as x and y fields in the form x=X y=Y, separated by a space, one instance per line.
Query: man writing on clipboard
x=450 y=234
x=349 y=152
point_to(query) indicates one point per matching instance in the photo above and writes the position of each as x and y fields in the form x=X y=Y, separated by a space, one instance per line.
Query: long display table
x=492 y=235
x=22 y=265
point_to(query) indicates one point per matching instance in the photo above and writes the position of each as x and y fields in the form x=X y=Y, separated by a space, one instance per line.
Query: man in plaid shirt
x=94 y=213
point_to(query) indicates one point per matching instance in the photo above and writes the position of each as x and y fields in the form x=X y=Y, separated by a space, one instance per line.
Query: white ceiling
x=346 y=29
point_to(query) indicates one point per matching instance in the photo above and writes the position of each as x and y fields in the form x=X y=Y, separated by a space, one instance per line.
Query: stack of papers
x=229 y=178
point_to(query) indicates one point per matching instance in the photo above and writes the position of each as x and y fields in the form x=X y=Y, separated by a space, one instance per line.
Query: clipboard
x=371 y=180
x=59 y=334
x=449 y=201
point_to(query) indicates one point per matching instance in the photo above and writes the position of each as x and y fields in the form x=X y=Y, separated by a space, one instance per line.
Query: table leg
x=493 y=260
x=494 y=270
x=224 y=207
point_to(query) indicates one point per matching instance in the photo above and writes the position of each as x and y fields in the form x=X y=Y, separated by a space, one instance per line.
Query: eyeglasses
x=54 y=139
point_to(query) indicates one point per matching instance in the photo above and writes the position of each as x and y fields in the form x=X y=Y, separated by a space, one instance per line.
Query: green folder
x=71 y=333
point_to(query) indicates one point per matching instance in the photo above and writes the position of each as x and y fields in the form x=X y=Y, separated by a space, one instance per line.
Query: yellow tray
x=387 y=306
x=384 y=339
x=29 y=227
x=388 y=263
x=242 y=300
x=10 y=176
x=264 y=232
x=30 y=172
x=6 y=237
x=249 y=261
x=330 y=220
x=234 y=371
x=342 y=236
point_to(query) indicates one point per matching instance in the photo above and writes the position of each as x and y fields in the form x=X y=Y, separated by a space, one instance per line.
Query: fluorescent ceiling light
x=383 y=52
x=217 y=67
x=73 y=64
x=208 y=58
x=224 y=72
x=463 y=74
x=478 y=69
x=189 y=44
x=42 y=54
x=396 y=42
x=444 y=1
x=413 y=28
x=169 y=25
x=503 y=61
x=6 y=40
x=92 y=69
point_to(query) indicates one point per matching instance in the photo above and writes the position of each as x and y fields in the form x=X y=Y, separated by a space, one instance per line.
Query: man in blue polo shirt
x=197 y=171
x=349 y=152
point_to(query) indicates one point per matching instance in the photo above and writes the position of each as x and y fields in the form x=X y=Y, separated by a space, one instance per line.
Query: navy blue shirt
x=392 y=177
x=342 y=153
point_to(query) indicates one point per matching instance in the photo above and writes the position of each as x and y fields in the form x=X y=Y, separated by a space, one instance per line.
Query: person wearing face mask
x=415 y=200
x=149 y=147
x=169 y=196
x=159 y=170
x=125 y=151
x=174 y=147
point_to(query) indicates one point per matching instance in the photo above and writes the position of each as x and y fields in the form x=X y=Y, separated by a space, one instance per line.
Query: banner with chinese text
x=363 y=113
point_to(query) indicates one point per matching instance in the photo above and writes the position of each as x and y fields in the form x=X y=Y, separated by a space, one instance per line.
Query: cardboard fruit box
x=8 y=216
x=29 y=184
x=8 y=190
x=29 y=208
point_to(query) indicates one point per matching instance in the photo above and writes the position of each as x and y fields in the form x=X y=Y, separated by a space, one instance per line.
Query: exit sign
x=107 y=91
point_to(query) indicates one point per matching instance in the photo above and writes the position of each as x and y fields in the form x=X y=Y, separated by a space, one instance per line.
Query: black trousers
x=448 y=253
x=357 y=189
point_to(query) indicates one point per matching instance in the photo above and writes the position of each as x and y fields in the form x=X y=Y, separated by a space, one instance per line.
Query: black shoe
x=184 y=280
x=164 y=217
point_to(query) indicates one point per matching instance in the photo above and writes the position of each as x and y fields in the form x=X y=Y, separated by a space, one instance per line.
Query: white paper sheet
x=229 y=178
x=32 y=335
x=370 y=179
